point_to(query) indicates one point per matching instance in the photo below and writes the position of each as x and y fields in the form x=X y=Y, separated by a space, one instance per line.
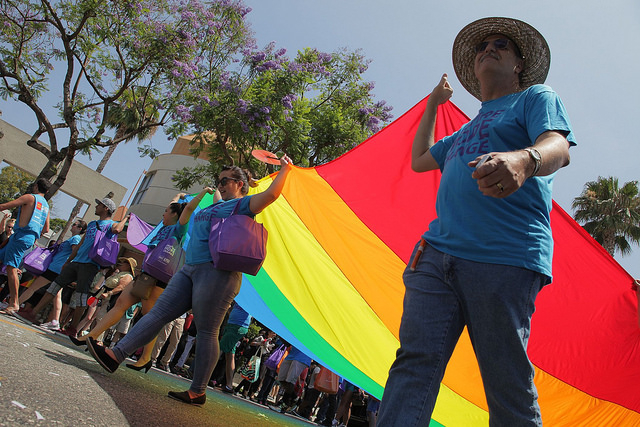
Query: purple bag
x=164 y=260
x=37 y=261
x=105 y=247
x=237 y=243
x=275 y=358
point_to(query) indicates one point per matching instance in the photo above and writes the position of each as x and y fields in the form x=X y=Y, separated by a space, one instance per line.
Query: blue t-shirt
x=175 y=230
x=64 y=250
x=515 y=230
x=89 y=236
x=295 y=354
x=198 y=247
x=239 y=317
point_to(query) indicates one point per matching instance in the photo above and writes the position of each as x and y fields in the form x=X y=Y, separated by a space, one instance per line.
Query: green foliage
x=13 y=183
x=314 y=108
x=57 y=224
x=611 y=214
x=119 y=65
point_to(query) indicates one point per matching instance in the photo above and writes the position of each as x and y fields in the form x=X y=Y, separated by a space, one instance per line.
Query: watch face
x=534 y=153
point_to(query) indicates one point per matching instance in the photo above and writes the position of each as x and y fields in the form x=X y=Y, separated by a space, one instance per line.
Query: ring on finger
x=500 y=187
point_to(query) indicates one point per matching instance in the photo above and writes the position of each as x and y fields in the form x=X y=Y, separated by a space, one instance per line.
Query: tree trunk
x=78 y=206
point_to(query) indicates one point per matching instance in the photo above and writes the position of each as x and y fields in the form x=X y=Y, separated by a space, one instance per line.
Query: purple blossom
x=242 y=106
x=288 y=100
x=183 y=113
x=258 y=57
x=280 y=52
x=265 y=110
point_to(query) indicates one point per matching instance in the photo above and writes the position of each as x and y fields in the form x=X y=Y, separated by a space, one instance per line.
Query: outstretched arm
x=421 y=158
x=261 y=200
x=193 y=204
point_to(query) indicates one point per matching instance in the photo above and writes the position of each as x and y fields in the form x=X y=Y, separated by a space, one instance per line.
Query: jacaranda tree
x=100 y=58
x=313 y=107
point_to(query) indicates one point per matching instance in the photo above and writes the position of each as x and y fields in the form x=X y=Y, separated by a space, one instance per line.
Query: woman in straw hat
x=488 y=253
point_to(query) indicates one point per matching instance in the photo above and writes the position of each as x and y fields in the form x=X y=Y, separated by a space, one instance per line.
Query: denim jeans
x=206 y=290
x=496 y=303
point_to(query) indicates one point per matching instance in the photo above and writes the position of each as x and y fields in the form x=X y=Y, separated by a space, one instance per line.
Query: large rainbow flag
x=339 y=239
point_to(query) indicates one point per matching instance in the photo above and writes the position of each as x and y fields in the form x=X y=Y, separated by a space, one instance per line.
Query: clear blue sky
x=594 y=68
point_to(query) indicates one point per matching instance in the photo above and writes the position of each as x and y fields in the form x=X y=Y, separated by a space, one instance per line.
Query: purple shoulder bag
x=164 y=260
x=105 y=247
x=237 y=243
x=37 y=261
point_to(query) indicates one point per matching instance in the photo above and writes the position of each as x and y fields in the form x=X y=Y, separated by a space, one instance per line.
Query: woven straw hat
x=534 y=48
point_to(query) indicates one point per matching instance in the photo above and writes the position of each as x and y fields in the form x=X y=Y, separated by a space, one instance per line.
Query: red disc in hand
x=266 y=157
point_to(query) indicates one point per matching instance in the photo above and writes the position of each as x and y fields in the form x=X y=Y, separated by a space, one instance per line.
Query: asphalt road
x=46 y=380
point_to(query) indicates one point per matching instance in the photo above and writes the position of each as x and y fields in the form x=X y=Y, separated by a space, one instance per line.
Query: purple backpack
x=237 y=243
x=37 y=261
x=164 y=260
x=105 y=247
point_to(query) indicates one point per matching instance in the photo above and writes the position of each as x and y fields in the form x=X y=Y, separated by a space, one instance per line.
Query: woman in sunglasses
x=199 y=285
x=152 y=287
x=59 y=259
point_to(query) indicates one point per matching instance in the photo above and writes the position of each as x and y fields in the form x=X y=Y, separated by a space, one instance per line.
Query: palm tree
x=610 y=214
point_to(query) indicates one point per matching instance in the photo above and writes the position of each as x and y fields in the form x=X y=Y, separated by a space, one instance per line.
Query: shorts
x=290 y=370
x=79 y=272
x=19 y=243
x=230 y=337
x=123 y=325
x=78 y=299
x=49 y=275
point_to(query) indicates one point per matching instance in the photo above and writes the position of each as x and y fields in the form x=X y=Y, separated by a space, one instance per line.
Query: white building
x=157 y=189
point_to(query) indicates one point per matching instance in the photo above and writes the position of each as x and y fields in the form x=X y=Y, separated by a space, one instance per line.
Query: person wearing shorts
x=81 y=269
x=31 y=222
x=290 y=369
x=237 y=327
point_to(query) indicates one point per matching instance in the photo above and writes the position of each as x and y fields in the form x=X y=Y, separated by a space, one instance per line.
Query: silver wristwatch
x=537 y=158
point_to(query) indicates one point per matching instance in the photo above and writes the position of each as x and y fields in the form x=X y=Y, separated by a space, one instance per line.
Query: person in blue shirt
x=290 y=369
x=63 y=252
x=31 y=222
x=199 y=285
x=170 y=228
x=488 y=253
x=237 y=327
x=81 y=269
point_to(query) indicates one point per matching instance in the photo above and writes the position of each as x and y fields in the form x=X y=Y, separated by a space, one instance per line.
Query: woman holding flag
x=199 y=285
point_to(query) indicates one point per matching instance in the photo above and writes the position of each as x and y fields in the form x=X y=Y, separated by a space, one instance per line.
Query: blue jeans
x=206 y=290
x=496 y=303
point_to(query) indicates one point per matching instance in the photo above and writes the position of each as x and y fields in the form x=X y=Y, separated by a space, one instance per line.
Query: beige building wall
x=82 y=183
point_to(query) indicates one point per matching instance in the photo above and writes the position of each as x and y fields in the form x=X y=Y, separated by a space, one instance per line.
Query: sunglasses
x=500 y=44
x=224 y=181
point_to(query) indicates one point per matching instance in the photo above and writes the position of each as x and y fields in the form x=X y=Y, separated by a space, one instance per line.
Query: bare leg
x=78 y=312
x=44 y=301
x=38 y=283
x=147 y=305
x=12 y=282
x=230 y=364
x=88 y=319
x=113 y=316
x=54 y=314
